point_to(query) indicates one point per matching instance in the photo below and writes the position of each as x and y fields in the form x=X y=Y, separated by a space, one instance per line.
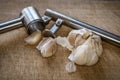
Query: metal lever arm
x=10 y=25
x=76 y=24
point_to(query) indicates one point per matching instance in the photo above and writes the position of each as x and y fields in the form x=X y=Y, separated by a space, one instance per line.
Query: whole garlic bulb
x=47 y=47
x=34 y=38
x=78 y=37
x=88 y=52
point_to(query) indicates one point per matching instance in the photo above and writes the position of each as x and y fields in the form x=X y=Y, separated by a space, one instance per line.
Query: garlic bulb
x=63 y=41
x=47 y=47
x=88 y=52
x=70 y=67
x=34 y=38
x=78 y=37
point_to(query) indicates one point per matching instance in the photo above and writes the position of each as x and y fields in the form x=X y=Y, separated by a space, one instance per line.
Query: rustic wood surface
x=19 y=61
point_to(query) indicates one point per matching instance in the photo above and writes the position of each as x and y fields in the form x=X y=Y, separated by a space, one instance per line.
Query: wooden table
x=19 y=61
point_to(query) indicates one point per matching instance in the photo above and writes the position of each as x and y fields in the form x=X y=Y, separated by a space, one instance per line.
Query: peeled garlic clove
x=70 y=67
x=47 y=47
x=34 y=38
x=78 y=37
x=63 y=42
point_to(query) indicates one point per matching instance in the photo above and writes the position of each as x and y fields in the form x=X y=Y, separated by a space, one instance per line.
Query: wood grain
x=21 y=62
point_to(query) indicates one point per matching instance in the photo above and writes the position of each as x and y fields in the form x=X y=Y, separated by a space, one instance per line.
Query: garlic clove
x=94 y=49
x=96 y=38
x=78 y=37
x=47 y=47
x=71 y=38
x=87 y=53
x=99 y=50
x=79 y=41
x=92 y=56
x=70 y=67
x=42 y=42
x=98 y=44
x=86 y=33
x=34 y=38
x=64 y=42
x=92 y=60
x=79 y=55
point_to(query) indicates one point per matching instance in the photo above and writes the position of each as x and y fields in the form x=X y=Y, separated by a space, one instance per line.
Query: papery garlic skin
x=78 y=37
x=92 y=60
x=98 y=45
x=88 y=52
x=70 y=67
x=79 y=55
x=63 y=41
x=47 y=47
x=34 y=38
